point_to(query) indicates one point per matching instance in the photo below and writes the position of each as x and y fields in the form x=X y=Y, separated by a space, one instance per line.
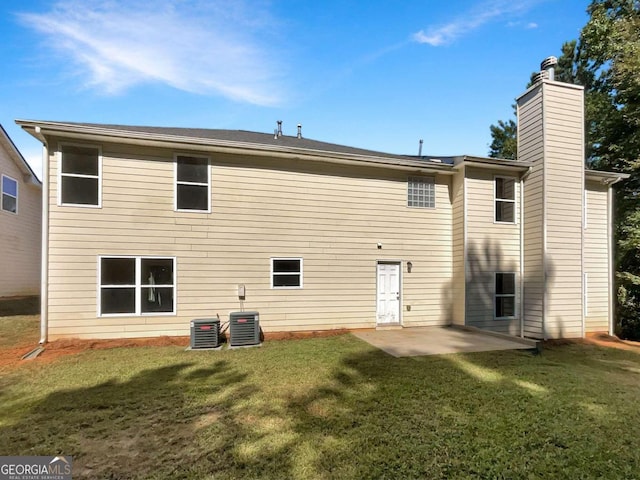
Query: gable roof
x=235 y=141
x=242 y=141
x=28 y=174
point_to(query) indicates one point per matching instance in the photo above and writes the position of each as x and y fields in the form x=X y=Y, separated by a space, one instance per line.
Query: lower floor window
x=136 y=285
x=505 y=297
x=286 y=273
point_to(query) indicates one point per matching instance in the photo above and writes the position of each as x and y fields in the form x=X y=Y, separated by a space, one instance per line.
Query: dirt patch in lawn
x=601 y=340
x=604 y=340
x=298 y=335
x=71 y=346
x=58 y=348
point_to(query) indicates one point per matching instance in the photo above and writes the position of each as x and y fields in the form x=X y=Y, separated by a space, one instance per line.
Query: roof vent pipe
x=279 y=128
x=299 y=131
x=549 y=64
x=420 y=147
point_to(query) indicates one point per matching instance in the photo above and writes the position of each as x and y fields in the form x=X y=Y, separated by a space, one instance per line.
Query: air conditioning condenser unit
x=244 y=328
x=205 y=333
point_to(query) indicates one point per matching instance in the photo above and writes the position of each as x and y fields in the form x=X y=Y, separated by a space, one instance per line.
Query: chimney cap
x=538 y=77
x=548 y=63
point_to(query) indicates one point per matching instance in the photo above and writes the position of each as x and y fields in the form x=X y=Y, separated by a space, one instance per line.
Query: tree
x=504 y=142
x=610 y=46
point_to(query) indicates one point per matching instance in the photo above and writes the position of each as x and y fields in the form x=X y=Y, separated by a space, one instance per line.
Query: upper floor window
x=9 y=194
x=193 y=183
x=80 y=182
x=421 y=192
x=505 y=199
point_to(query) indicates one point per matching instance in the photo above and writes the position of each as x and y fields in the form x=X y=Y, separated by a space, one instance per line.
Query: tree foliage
x=610 y=48
x=504 y=144
x=606 y=61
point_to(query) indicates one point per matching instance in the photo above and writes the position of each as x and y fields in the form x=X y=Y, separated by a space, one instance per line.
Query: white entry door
x=388 y=293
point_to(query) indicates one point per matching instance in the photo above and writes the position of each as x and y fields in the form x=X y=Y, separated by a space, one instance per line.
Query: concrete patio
x=418 y=341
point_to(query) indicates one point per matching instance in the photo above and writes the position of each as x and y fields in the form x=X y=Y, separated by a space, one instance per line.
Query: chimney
x=299 y=131
x=279 y=132
x=420 y=148
x=551 y=136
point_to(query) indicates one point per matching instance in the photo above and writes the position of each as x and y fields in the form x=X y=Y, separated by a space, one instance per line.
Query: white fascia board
x=94 y=134
x=606 y=178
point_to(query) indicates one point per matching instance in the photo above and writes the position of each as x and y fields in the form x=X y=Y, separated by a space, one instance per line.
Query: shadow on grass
x=121 y=429
x=500 y=414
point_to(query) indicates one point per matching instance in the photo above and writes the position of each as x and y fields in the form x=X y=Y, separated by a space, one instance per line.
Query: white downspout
x=44 y=266
x=521 y=219
x=610 y=248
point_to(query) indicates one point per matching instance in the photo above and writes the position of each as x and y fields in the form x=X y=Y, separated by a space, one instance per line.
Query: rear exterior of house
x=20 y=222
x=150 y=228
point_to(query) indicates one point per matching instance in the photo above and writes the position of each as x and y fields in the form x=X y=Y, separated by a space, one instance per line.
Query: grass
x=328 y=408
x=18 y=331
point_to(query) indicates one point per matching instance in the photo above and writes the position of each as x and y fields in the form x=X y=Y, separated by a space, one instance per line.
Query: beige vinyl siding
x=457 y=296
x=332 y=217
x=564 y=188
x=530 y=148
x=551 y=135
x=596 y=258
x=20 y=235
x=491 y=247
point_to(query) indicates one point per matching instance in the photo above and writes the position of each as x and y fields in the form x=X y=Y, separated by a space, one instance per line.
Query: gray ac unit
x=205 y=333
x=244 y=328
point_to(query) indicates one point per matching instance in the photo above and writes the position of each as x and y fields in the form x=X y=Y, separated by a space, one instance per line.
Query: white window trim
x=300 y=273
x=516 y=186
x=585 y=307
x=585 y=211
x=2 y=193
x=516 y=309
x=422 y=178
x=138 y=288
x=201 y=184
x=60 y=175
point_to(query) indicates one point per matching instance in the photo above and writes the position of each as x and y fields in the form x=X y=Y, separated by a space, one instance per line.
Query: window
x=136 y=285
x=505 y=297
x=421 y=192
x=286 y=273
x=505 y=198
x=193 y=184
x=80 y=167
x=9 y=194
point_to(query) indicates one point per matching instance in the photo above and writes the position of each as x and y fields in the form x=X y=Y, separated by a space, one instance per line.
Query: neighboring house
x=149 y=228
x=20 y=224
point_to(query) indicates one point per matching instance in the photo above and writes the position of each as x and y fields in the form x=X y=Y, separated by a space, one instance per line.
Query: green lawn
x=328 y=408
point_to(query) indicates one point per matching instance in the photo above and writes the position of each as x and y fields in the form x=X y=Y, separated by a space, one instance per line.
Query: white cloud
x=528 y=25
x=481 y=14
x=206 y=47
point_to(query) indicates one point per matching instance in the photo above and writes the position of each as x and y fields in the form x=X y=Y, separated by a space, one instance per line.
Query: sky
x=379 y=75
